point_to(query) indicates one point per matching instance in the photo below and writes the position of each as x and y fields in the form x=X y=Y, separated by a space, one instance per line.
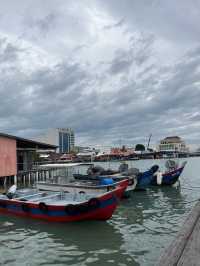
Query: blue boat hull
x=168 y=179
x=144 y=180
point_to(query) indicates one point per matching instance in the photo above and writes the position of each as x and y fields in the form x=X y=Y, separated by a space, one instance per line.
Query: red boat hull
x=100 y=208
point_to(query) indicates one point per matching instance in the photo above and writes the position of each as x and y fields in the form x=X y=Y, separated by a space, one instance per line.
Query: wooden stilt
x=15 y=179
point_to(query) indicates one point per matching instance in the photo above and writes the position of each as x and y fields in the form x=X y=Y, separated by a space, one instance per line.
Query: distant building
x=63 y=138
x=172 y=144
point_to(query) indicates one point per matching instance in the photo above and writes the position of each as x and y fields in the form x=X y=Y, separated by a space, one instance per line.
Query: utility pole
x=149 y=141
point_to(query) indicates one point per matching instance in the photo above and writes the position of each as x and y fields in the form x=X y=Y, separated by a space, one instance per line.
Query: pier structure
x=17 y=158
x=185 y=248
x=27 y=178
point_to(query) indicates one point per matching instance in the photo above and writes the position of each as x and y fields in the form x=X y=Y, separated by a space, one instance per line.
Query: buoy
x=159 y=178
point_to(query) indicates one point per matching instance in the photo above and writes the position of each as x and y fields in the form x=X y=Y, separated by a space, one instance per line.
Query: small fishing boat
x=102 y=185
x=62 y=206
x=137 y=180
x=97 y=179
x=170 y=176
x=85 y=186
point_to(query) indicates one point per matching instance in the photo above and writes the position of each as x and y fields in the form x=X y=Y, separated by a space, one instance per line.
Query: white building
x=61 y=137
x=172 y=144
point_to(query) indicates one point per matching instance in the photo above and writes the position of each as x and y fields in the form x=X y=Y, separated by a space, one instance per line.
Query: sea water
x=138 y=232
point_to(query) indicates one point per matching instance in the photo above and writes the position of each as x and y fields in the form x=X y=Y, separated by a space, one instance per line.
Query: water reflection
x=40 y=243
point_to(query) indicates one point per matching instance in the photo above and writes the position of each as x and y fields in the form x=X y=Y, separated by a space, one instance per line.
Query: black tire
x=94 y=204
x=25 y=208
x=43 y=207
x=71 y=209
x=82 y=208
x=3 y=205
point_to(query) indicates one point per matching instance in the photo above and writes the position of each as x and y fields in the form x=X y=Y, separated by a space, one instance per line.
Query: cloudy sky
x=114 y=71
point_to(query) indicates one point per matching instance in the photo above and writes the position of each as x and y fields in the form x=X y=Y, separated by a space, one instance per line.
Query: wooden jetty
x=40 y=172
x=185 y=249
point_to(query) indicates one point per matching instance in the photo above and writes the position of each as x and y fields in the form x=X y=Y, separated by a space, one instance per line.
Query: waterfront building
x=63 y=138
x=172 y=144
x=18 y=154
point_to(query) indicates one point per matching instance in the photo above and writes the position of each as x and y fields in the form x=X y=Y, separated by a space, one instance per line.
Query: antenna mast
x=149 y=141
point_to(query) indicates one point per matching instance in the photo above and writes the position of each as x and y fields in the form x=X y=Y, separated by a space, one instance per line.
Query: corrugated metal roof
x=22 y=142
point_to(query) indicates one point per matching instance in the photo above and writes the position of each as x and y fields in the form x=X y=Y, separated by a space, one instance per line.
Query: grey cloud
x=125 y=96
x=177 y=21
x=8 y=52
x=44 y=24
x=120 y=23
x=140 y=50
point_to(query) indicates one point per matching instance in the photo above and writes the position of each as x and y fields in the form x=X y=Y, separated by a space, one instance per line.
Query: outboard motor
x=123 y=167
x=133 y=172
x=11 y=192
x=95 y=170
x=171 y=165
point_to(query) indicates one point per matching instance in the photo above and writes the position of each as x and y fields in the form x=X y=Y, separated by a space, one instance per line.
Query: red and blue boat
x=170 y=176
x=62 y=206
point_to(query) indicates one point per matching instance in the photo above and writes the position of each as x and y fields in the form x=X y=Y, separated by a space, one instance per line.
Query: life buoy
x=43 y=207
x=70 y=209
x=93 y=203
x=25 y=207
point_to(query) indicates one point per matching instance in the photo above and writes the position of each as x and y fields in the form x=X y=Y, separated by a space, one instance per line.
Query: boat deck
x=51 y=198
x=185 y=249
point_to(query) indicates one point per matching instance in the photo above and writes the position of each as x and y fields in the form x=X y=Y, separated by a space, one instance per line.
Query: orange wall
x=8 y=157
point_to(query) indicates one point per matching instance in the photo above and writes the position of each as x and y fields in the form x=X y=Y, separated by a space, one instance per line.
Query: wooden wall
x=8 y=157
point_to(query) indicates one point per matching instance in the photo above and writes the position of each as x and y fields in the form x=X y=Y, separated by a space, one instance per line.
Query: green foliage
x=139 y=147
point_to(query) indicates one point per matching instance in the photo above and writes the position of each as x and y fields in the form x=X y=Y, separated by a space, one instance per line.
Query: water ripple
x=139 y=230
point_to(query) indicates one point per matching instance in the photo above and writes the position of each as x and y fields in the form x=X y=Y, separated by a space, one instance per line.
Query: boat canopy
x=61 y=165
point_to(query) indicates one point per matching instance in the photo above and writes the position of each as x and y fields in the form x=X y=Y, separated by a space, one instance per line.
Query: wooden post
x=4 y=183
x=24 y=179
x=36 y=178
x=29 y=178
x=15 y=179
x=47 y=174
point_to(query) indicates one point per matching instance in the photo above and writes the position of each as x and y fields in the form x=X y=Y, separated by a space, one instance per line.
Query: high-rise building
x=61 y=137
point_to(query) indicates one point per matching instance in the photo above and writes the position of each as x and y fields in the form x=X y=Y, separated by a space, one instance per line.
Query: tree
x=139 y=147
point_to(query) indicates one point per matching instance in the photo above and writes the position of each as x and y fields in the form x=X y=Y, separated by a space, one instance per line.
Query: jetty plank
x=191 y=253
x=186 y=244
